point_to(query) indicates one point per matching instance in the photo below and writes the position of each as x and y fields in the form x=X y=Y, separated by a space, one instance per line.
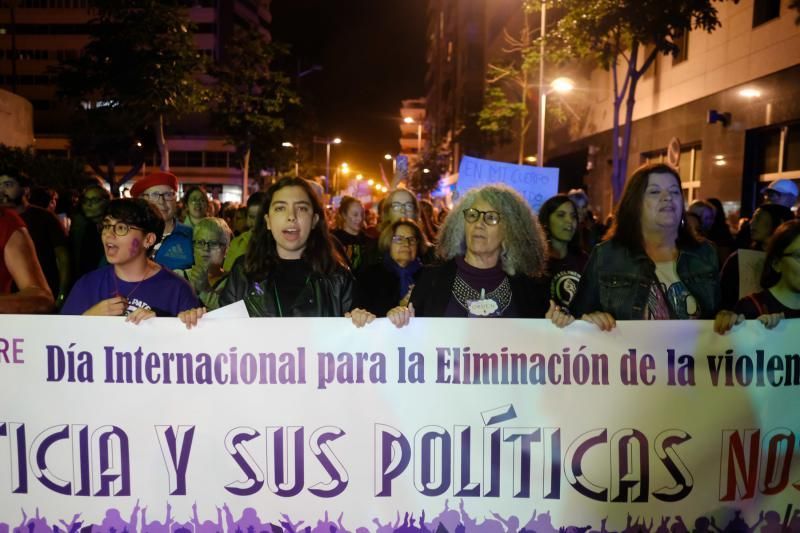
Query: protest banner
x=481 y=425
x=535 y=184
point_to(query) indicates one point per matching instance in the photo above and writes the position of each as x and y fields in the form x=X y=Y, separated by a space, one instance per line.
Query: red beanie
x=156 y=178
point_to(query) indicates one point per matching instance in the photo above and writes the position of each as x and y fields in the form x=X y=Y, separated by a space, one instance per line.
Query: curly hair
x=524 y=241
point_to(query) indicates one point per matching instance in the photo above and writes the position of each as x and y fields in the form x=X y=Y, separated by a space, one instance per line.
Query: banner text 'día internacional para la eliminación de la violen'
x=486 y=425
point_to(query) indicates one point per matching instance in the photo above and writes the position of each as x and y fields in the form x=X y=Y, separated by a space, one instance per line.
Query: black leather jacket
x=432 y=293
x=324 y=295
x=618 y=280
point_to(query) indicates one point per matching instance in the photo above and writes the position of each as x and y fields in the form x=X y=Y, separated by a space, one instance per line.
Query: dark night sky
x=372 y=54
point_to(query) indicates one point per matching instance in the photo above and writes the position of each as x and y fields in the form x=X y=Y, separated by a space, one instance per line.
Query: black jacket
x=432 y=293
x=378 y=289
x=325 y=295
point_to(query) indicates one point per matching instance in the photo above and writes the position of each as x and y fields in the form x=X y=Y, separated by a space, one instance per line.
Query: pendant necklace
x=116 y=284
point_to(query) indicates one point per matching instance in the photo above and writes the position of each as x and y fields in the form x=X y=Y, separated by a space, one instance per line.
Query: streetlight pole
x=327 y=143
x=542 y=90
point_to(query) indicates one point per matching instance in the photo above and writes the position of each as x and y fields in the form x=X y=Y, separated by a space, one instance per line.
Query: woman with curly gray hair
x=494 y=252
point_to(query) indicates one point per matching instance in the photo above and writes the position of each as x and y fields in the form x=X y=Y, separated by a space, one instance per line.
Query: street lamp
x=389 y=157
x=327 y=143
x=559 y=85
x=287 y=144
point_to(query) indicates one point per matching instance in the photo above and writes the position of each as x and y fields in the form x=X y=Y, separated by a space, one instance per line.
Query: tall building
x=455 y=78
x=413 y=125
x=46 y=31
x=747 y=72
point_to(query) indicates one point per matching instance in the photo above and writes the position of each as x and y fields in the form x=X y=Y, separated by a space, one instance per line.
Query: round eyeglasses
x=407 y=207
x=399 y=239
x=120 y=229
x=491 y=218
x=208 y=245
x=156 y=196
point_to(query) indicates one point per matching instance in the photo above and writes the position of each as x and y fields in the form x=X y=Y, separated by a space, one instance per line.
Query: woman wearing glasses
x=132 y=284
x=494 y=249
x=400 y=203
x=388 y=284
x=211 y=239
x=195 y=205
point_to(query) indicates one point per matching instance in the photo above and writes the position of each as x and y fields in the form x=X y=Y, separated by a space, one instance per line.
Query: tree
x=139 y=68
x=625 y=37
x=60 y=173
x=433 y=159
x=249 y=99
x=506 y=97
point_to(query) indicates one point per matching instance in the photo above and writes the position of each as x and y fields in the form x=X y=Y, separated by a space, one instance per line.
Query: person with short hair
x=174 y=251
x=132 y=285
x=207 y=277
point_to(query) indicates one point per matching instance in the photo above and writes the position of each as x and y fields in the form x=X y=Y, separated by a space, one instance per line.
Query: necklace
x=464 y=294
x=116 y=284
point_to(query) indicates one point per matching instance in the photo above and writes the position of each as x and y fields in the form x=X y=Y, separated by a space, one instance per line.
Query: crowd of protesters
x=284 y=253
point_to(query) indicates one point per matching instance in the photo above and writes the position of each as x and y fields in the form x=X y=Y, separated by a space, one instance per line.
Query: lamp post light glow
x=750 y=92
x=559 y=85
x=410 y=120
x=328 y=143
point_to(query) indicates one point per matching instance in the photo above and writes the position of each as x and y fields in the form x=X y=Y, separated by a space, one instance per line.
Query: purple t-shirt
x=165 y=293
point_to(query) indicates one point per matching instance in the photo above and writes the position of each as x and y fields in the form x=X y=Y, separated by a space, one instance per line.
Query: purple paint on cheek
x=136 y=245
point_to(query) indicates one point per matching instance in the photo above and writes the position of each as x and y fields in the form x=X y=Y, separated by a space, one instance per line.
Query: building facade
x=42 y=32
x=746 y=72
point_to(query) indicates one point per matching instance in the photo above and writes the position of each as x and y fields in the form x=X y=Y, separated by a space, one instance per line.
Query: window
x=681 y=40
x=765 y=10
x=216 y=159
x=778 y=152
x=690 y=167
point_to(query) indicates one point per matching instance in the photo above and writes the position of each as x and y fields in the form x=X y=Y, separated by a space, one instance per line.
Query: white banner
x=487 y=425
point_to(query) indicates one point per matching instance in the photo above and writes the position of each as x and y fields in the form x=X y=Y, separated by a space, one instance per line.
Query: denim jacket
x=617 y=280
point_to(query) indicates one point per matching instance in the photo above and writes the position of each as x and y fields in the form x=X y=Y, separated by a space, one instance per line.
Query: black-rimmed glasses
x=492 y=218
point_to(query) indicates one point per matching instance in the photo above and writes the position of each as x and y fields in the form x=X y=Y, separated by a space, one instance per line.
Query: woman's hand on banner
x=401 y=315
x=601 y=319
x=725 y=320
x=191 y=317
x=360 y=317
x=140 y=314
x=558 y=315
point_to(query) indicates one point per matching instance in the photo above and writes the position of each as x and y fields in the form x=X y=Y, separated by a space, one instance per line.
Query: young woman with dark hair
x=291 y=267
x=565 y=259
x=765 y=221
x=780 y=279
x=649 y=266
